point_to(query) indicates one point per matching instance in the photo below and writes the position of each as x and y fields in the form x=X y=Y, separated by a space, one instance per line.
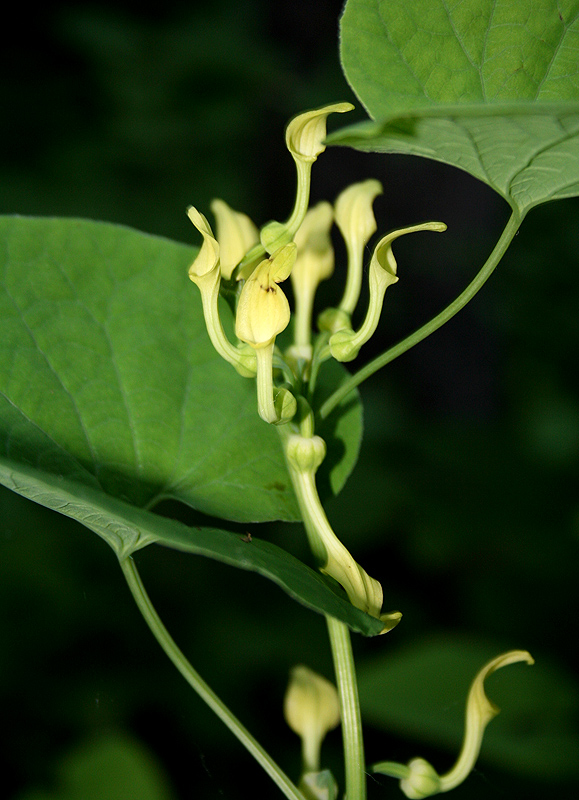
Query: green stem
x=320 y=355
x=373 y=366
x=350 y=709
x=304 y=171
x=198 y=684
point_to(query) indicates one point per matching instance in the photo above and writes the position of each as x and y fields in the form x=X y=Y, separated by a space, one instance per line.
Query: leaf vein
x=484 y=49
x=56 y=375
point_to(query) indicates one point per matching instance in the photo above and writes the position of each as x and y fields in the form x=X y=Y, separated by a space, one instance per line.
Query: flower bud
x=319 y=785
x=311 y=709
x=343 y=346
x=236 y=235
x=285 y=405
x=263 y=310
x=305 y=453
x=305 y=133
x=422 y=781
x=274 y=235
x=333 y=320
x=207 y=261
x=356 y=221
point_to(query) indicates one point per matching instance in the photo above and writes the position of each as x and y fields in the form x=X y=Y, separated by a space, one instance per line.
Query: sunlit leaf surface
x=113 y=398
x=489 y=86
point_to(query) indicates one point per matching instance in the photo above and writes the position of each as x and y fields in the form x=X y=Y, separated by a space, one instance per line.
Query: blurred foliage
x=465 y=498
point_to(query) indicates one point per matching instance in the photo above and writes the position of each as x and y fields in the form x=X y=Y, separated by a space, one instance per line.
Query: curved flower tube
x=304 y=454
x=304 y=138
x=206 y=274
x=356 y=221
x=345 y=344
x=418 y=779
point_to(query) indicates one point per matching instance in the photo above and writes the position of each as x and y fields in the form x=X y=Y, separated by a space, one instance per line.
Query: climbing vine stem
x=354 y=762
x=198 y=684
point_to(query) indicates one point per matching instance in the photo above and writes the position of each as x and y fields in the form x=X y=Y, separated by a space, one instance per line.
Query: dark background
x=464 y=503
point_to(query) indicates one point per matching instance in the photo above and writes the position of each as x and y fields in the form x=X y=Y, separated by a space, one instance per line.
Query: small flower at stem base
x=311 y=709
x=418 y=779
x=318 y=785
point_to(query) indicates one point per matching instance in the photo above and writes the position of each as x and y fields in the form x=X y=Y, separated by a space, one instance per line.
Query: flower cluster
x=247 y=267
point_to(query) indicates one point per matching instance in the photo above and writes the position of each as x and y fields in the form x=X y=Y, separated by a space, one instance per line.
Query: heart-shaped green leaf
x=489 y=86
x=108 y=377
x=112 y=398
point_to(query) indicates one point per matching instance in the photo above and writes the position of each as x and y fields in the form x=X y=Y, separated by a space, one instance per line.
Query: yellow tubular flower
x=236 y=235
x=304 y=138
x=314 y=263
x=205 y=268
x=305 y=133
x=263 y=310
x=479 y=712
x=262 y=313
x=304 y=454
x=205 y=272
x=356 y=221
x=345 y=345
x=311 y=709
x=418 y=779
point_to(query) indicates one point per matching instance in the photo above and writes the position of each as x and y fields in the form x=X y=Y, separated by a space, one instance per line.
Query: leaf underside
x=128 y=529
x=488 y=86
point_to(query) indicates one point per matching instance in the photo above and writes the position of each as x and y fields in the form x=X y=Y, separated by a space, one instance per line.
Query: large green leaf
x=113 y=398
x=108 y=377
x=420 y=692
x=489 y=86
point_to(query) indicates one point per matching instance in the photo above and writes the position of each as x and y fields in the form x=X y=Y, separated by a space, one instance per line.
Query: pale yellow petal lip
x=236 y=235
x=354 y=215
x=306 y=132
x=263 y=310
x=208 y=256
